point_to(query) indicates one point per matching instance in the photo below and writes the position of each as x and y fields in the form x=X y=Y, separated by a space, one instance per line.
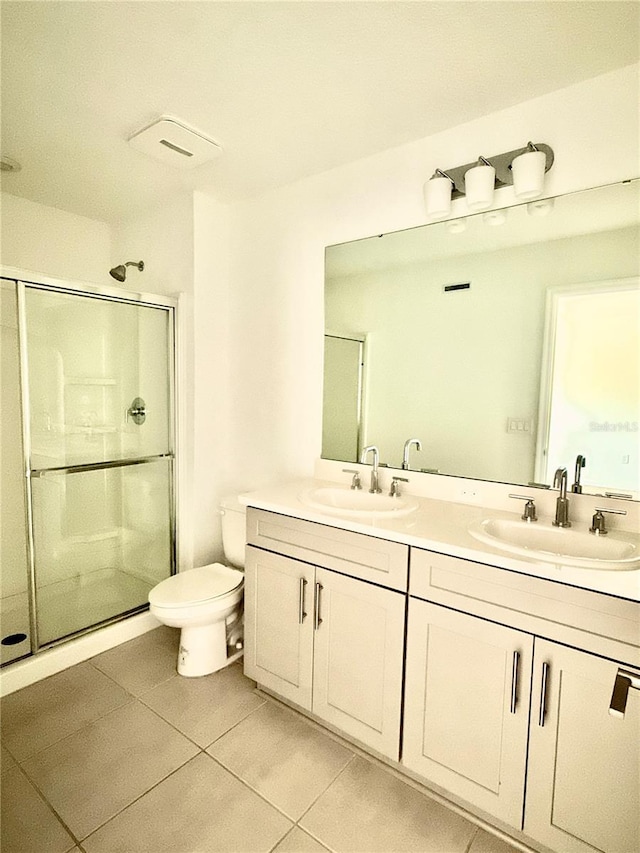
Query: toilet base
x=203 y=649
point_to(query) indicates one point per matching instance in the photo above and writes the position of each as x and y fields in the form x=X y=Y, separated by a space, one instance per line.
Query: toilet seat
x=196 y=586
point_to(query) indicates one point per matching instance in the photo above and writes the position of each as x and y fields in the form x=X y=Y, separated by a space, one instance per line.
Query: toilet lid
x=196 y=586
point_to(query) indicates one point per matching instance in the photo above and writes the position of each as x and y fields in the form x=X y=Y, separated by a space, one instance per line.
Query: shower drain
x=13 y=639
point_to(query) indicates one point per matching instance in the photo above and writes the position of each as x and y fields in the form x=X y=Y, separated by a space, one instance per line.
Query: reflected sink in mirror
x=351 y=502
x=619 y=551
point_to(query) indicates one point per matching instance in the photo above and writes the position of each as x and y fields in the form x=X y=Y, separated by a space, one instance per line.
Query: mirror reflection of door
x=342 y=397
x=590 y=391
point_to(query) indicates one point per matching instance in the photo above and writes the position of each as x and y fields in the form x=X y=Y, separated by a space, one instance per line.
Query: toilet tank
x=234 y=530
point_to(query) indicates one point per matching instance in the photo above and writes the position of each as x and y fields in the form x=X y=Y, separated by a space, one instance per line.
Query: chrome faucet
x=581 y=461
x=375 y=488
x=562 y=503
x=405 y=452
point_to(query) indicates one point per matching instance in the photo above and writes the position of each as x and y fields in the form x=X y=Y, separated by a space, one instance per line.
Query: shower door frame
x=108 y=294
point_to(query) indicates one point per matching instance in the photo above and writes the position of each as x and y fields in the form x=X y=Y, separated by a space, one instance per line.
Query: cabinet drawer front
x=353 y=554
x=599 y=623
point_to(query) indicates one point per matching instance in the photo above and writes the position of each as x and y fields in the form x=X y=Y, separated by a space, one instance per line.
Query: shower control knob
x=137 y=411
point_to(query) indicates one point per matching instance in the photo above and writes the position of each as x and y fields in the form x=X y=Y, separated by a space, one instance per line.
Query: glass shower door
x=101 y=456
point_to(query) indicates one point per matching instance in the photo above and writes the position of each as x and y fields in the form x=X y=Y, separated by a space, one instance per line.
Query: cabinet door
x=467 y=697
x=583 y=789
x=357 y=683
x=279 y=624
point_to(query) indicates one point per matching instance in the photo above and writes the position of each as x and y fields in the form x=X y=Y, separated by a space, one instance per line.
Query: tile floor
x=121 y=755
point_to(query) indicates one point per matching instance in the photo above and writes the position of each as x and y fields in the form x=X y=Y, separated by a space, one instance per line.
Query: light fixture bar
x=500 y=162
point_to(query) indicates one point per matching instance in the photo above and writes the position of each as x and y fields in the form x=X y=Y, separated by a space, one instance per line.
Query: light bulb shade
x=479 y=183
x=437 y=197
x=528 y=174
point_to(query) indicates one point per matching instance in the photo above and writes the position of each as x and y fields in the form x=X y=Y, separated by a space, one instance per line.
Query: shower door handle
x=137 y=411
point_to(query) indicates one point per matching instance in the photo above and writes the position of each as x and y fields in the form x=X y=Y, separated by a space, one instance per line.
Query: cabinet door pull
x=316 y=606
x=514 y=681
x=301 y=611
x=624 y=680
x=543 y=694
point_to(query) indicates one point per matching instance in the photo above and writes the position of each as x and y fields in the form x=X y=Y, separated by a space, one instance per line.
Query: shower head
x=120 y=272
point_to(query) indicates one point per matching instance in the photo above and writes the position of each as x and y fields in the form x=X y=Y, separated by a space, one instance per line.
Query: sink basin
x=564 y=545
x=351 y=502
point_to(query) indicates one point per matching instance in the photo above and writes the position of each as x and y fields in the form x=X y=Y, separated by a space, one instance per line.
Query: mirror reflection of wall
x=460 y=369
x=342 y=397
x=591 y=393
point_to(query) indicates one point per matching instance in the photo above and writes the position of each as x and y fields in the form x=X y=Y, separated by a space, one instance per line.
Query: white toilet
x=206 y=603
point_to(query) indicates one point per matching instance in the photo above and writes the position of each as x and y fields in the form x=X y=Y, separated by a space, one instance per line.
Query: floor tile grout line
x=48 y=804
x=188 y=737
x=306 y=832
x=252 y=789
x=123 y=686
x=59 y=740
x=140 y=796
x=472 y=839
x=333 y=781
x=88 y=725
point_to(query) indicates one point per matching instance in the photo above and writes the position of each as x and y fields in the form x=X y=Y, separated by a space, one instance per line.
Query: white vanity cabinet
x=467 y=699
x=583 y=786
x=324 y=623
x=530 y=742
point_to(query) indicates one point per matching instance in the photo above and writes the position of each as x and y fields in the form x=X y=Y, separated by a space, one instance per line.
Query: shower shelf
x=90 y=430
x=90 y=380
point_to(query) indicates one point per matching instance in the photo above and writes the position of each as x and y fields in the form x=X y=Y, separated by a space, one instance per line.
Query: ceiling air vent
x=172 y=142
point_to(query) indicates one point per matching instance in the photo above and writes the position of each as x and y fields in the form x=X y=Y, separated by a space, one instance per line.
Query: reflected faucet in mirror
x=580 y=463
x=375 y=488
x=405 y=453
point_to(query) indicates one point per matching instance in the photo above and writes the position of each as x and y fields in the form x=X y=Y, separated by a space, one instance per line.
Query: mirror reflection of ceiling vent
x=172 y=142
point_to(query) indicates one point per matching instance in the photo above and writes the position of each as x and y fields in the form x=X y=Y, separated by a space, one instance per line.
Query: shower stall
x=87 y=440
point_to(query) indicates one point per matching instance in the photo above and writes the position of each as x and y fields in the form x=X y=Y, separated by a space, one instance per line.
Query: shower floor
x=77 y=603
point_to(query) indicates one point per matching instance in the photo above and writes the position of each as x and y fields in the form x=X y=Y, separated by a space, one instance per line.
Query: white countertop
x=442 y=526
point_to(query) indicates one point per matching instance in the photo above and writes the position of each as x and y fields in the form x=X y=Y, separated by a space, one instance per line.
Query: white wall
x=51 y=241
x=278 y=240
x=214 y=466
x=164 y=239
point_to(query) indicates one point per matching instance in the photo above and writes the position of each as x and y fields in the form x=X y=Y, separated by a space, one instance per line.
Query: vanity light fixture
x=479 y=184
x=523 y=168
x=437 y=194
x=495 y=217
x=528 y=173
x=542 y=207
x=456 y=226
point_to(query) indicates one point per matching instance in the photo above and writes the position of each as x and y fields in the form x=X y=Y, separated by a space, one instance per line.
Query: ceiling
x=289 y=89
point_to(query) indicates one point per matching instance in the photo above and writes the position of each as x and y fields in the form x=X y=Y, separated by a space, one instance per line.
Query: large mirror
x=507 y=343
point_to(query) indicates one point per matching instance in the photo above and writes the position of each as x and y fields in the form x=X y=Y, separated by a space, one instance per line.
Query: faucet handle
x=598 y=524
x=529 y=513
x=394 y=491
x=355 y=481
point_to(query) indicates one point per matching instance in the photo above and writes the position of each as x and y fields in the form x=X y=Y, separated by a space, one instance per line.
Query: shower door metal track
x=97 y=466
